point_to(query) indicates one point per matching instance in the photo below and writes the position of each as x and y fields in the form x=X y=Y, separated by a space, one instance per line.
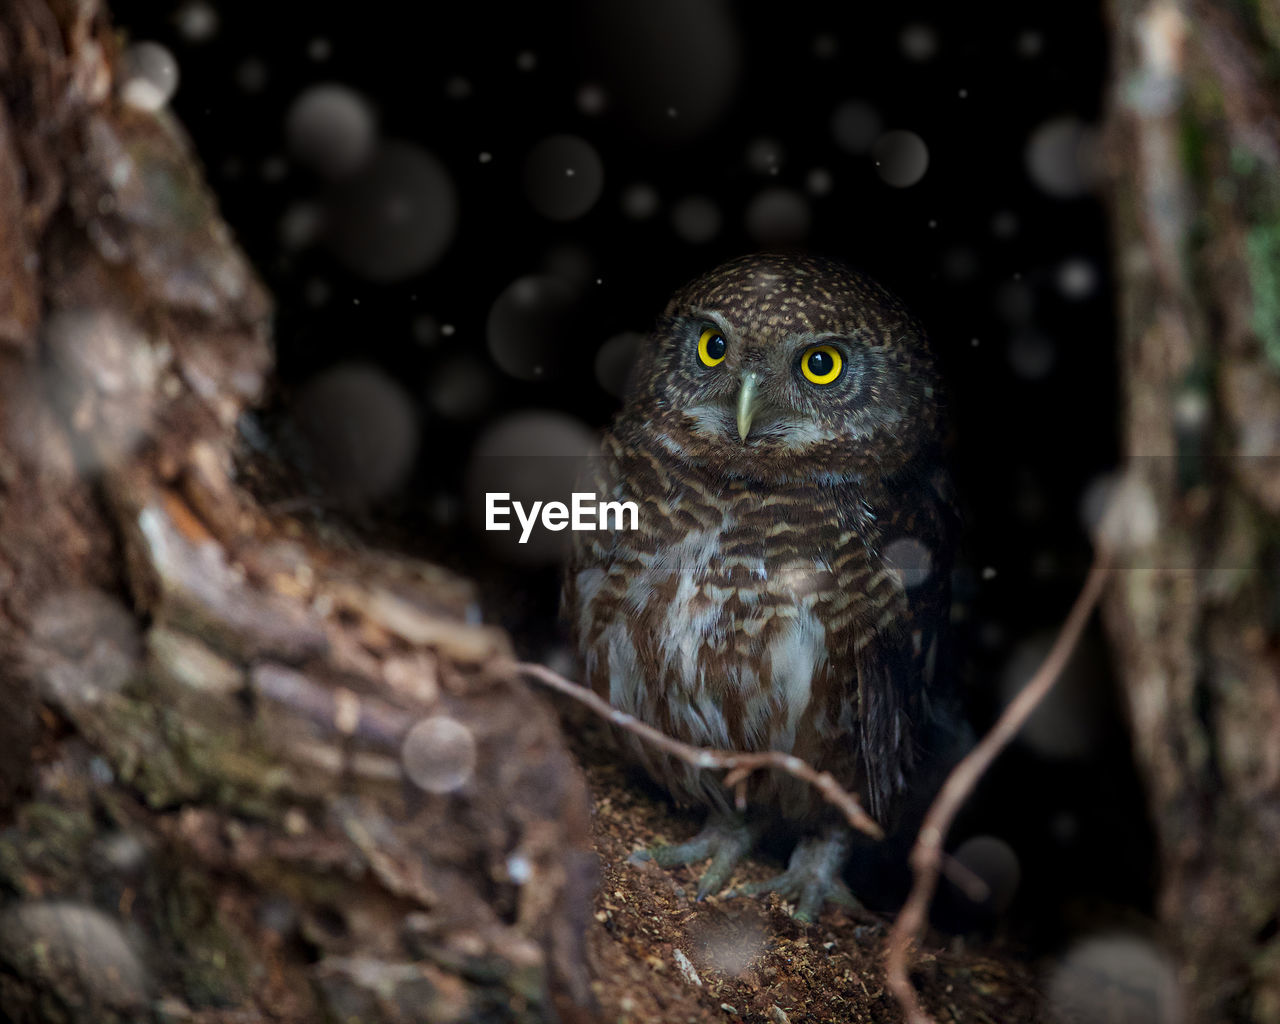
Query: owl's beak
x=748 y=404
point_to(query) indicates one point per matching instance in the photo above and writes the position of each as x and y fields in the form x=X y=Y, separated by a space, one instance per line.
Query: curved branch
x=926 y=856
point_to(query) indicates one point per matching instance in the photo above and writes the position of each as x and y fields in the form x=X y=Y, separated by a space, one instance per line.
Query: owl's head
x=785 y=366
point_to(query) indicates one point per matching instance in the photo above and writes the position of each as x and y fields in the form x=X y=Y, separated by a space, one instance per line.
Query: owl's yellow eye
x=712 y=347
x=822 y=364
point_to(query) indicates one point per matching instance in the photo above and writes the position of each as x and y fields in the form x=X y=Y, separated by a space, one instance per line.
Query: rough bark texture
x=244 y=774
x=1195 y=137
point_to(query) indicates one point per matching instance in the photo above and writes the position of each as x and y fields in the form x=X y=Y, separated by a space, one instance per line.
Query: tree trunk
x=227 y=747
x=1195 y=137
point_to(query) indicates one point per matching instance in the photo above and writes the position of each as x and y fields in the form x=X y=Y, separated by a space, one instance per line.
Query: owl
x=787 y=586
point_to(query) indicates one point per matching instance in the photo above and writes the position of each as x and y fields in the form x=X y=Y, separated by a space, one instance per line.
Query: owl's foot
x=813 y=876
x=726 y=839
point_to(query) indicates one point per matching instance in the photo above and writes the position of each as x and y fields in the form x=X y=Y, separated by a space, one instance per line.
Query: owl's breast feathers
x=756 y=617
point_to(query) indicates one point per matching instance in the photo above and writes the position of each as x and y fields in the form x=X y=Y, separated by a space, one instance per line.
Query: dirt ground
x=661 y=956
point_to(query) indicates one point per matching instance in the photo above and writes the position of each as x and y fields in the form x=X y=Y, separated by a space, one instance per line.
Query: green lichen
x=1262 y=252
x=1244 y=162
x=45 y=848
x=174 y=749
x=215 y=962
x=136 y=741
x=1193 y=142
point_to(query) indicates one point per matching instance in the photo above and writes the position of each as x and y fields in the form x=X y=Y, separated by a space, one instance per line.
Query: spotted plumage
x=787 y=586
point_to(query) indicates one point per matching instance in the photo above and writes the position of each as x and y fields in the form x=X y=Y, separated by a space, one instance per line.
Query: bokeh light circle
x=696 y=219
x=778 y=216
x=196 y=21
x=660 y=56
x=439 y=754
x=640 y=201
x=764 y=156
x=563 y=177
x=149 y=76
x=532 y=456
x=1032 y=354
x=362 y=428
x=995 y=862
x=529 y=325
x=1077 y=278
x=1116 y=977
x=460 y=389
x=855 y=125
x=614 y=360
x=901 y=158
x=1062 y=157
x=395 y=217
x=910 y=558
x=919 y=42
x=331 y=130
x=80 y=952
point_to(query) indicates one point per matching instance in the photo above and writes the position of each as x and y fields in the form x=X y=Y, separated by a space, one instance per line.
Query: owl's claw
x=726 y=840
x=812 y=878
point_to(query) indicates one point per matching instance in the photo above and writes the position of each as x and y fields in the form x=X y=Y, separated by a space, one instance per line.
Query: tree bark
x=1195 y=142
x=245 y=772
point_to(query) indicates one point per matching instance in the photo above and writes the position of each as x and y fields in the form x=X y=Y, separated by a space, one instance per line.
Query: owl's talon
x=723 y=861
x=724 y=839
x=812 y=878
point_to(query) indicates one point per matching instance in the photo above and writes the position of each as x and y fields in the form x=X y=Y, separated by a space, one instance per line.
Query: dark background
x=397 y=367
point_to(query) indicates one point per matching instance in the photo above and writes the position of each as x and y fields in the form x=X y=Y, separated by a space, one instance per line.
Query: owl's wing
x=904 y=680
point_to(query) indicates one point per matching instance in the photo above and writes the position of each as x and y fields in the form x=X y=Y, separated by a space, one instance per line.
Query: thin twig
x=738 y=764
x=741 y=764
x=927 y=853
